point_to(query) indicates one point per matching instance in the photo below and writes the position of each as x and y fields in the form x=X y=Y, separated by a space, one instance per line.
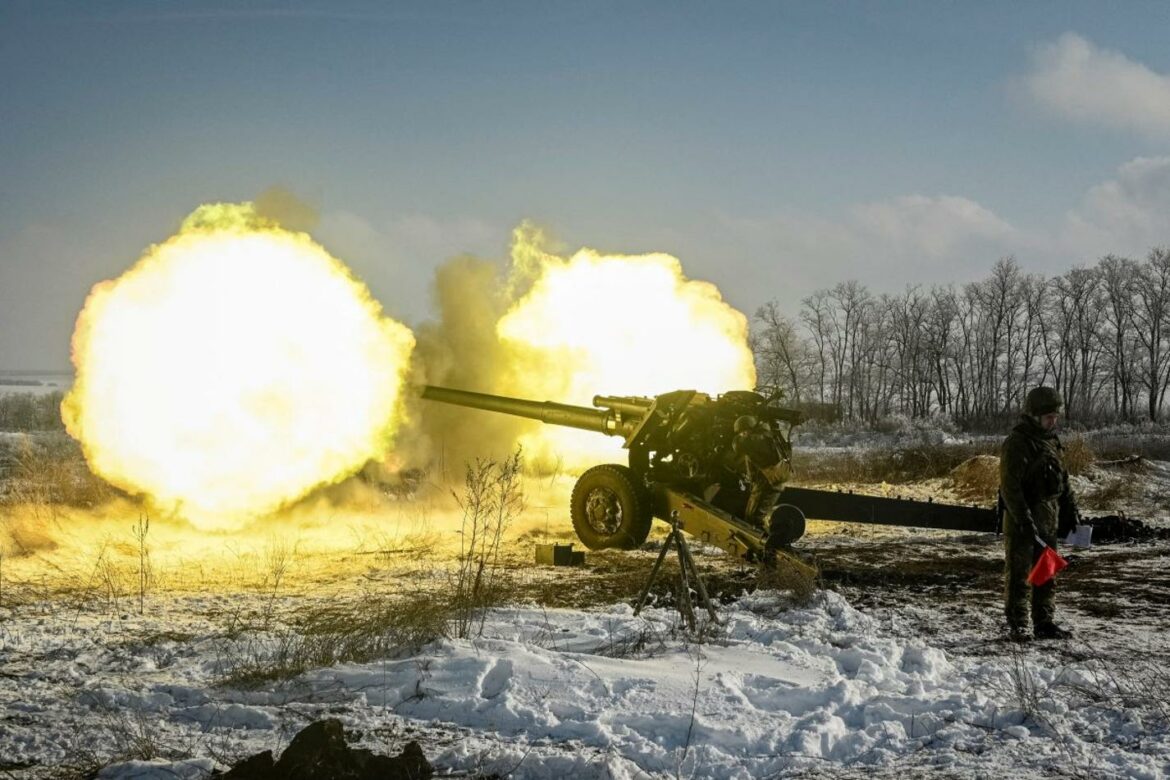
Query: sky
x=776 y=148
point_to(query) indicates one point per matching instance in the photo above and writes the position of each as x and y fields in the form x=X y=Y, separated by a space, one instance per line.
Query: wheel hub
x=603 y=510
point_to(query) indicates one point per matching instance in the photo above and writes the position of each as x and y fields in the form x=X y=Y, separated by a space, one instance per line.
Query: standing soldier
x=1034 y=492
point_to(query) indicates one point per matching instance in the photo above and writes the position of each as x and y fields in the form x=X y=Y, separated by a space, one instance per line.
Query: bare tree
x=849 y=303
x=1100 y=335
x=939 y=349
x=780 y=353
x=1035 y=289
x=1151 y=311
x=907 y=317
x=1119 y=277
x=1000 y=304
x=814 y=313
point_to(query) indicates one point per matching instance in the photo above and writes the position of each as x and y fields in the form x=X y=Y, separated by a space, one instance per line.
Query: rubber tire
x=633 y=502
x=785 y=526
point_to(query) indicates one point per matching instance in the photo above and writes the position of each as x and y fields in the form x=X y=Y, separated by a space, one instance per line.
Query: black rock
x=319 y=752
x=257 y=767
x=1119 y=528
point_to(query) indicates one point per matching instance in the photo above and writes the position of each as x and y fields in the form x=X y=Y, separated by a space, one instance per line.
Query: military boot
x=1019 y=633
x=1051 y=631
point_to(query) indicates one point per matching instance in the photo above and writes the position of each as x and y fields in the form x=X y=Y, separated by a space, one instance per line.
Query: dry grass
x=368 y=630
x=1118 y=490
x=789 y=573
x=48 y=470
x=977 y=479
x=902 y=465
x=380 y=626
x=1078 y=455
x=1151 y=445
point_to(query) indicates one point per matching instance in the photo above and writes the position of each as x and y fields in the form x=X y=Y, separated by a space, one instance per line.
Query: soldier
x=765 y=464
x=1034 y=493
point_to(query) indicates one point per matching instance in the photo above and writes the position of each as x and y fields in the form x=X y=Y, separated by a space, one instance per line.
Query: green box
x=558 y=555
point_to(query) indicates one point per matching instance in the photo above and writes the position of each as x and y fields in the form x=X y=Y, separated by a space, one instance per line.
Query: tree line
x=1100 y=335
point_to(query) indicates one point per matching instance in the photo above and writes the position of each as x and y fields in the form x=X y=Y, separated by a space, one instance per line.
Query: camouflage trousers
x=761 y=503
x=1020 y=554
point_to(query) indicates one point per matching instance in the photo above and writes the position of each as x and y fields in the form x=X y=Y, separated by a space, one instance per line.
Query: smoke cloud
x=548 y=327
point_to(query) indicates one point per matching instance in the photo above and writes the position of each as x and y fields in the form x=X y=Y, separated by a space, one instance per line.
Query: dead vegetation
x=377 y=627
x=48 y=470
x=797 y=578
x=1078 y=454
x=381 y=625
x=977 y=479
x=1115 y=491
x=491 y=500
x=902 y=465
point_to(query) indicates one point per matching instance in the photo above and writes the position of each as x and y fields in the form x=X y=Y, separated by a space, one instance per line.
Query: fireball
x=234 y=369
x=613 y=324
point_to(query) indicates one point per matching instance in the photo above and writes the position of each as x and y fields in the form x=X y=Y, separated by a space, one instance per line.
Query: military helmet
x=745 y=422
x=1043 y=400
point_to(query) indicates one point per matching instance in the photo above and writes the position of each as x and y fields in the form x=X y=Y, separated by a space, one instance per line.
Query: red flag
x=1046 y=567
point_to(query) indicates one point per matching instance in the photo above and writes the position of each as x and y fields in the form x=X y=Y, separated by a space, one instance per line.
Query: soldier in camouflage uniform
x=764 y=463
x=1034 y=493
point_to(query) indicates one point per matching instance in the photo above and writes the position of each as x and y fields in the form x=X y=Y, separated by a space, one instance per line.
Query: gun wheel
x=610 y=509
x=785 y=526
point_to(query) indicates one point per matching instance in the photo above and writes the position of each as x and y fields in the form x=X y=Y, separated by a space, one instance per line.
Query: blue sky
x=776 y=148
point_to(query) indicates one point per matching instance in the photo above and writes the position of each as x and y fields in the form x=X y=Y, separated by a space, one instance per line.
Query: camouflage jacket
x=763 y=456
x=1033 y=483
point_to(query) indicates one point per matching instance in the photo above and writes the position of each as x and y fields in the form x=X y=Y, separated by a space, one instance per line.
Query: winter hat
x=1042 y=401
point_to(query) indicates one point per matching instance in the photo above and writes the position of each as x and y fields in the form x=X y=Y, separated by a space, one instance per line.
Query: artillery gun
x=682 y=465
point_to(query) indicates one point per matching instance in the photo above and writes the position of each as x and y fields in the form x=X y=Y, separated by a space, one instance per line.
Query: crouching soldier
x=764 y=464
x=1034 y=494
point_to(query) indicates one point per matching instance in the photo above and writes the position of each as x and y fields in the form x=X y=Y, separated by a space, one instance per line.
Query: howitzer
x=683 y=459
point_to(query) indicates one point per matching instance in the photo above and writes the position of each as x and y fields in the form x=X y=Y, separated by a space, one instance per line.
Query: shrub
x=1078 y=455
x=492 y=498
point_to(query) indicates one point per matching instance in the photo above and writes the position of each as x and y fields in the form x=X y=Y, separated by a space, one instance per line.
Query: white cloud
x=886 y=244
x=1127 y=215
x=1089 y=84
x=929 y=240
x=932 y=226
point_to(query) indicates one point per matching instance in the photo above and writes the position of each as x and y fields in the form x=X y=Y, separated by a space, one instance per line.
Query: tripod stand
x=687 y=572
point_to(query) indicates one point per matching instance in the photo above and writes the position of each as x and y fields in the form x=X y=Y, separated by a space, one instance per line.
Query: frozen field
x=892 y=667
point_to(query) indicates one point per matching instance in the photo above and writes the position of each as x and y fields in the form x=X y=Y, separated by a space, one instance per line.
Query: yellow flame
x=233 y=369
x=608 y=324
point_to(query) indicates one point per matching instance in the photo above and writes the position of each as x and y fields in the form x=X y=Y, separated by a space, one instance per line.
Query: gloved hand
x=1027 y=526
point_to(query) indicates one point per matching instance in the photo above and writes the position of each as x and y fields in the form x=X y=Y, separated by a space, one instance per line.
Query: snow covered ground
x=893 y=667
x=774 y=691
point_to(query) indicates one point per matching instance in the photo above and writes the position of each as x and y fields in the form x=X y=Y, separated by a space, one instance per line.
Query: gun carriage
x=682 y=459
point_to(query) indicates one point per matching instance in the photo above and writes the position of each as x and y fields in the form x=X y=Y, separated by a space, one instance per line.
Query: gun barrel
x=596 y=420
